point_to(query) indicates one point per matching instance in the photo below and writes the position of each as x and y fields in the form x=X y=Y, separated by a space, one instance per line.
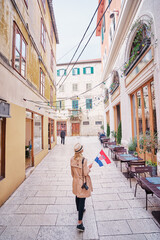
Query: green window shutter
x=92 y=70
x=84 y=70
x=63 y=105
x=102 y=34
x=65 y=72
x=58 y=73
x=73 y=72
x=75 y=104
x=78 y=71
x=90 y=104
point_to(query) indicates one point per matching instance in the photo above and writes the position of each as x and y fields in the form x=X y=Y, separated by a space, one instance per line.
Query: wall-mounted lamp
x=113 y=12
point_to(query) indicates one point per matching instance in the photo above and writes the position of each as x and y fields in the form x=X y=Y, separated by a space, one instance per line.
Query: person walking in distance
x=63 y=137
x=81 y=185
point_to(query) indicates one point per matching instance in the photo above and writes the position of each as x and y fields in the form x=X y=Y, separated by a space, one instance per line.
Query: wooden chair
x=116 y=152
x=138 y=172
x=131 y=169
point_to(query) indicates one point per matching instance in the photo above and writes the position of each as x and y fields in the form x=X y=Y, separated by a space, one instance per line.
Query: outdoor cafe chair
x=131 y=169
x=143 y=170
x=116 y=153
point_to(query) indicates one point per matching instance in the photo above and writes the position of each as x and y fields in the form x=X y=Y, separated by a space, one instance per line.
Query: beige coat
x=76 y=171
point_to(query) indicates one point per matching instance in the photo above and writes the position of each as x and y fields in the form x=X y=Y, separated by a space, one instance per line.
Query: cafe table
x=126 y=158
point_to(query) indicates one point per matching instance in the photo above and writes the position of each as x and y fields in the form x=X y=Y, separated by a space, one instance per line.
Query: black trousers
x=80 y=203
x=62 y=140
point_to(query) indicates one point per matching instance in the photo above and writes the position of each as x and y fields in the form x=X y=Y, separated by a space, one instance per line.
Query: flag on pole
x=102 y=156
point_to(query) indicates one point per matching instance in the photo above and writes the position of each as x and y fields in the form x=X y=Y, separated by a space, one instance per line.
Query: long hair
x=78 y=156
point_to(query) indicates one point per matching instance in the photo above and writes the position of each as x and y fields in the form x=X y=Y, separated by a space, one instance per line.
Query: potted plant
x=149 y=144
x=154 y=167
x=108 y=130
x=132 y=146
x=119 y=134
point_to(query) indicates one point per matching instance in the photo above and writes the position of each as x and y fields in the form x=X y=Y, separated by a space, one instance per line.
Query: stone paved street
x=43 y=207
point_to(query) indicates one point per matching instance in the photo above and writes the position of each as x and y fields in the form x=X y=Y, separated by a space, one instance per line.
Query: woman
x=80 y=173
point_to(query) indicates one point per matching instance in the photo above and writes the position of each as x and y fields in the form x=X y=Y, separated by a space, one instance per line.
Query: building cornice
x=126 y=18
x=53 y=20
x=81 y=62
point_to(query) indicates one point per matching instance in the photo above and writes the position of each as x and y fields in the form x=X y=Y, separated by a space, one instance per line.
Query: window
x=51 y=95
x=88 y=103
x=86 y=123
x=44 y=4
x=102 y=35
x=74 y=107
x=109 y=1
x=75 y=87
x=26 y=2
x=98 y=122
x=42 y=83
x=19 y=53
x=61 y=72
x=75 y=71
x=103 y=29
x=88 y=86
x=43 y=34
x=143 y=111
x=52 y=60
x=61 y=89
x=37 y=133
x=60 y=104
x=88 y=70
x=2 y=147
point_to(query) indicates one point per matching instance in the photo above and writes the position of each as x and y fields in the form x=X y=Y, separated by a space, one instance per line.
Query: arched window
x=115 y=81
x=141 y=39
x=140 y=44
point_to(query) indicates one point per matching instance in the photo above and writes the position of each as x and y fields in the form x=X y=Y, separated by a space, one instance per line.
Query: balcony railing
x=106 y=99
x=75 y=114
x=113 y=87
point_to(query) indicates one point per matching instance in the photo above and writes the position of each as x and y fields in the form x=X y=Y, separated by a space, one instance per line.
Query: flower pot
x=130 y=152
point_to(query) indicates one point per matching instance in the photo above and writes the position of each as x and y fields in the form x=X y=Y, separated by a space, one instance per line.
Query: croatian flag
x=102 y=156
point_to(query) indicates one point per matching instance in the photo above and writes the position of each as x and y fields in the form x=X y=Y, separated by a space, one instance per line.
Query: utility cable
x=85 y=45
x=81 y=39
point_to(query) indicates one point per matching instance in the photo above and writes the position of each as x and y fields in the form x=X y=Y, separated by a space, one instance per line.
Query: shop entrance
x=29 y=140
x=61 y=125
x=117 y=117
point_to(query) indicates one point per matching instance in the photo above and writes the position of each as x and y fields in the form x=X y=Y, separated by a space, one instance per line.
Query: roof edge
x=81 y=62
x=53 y=19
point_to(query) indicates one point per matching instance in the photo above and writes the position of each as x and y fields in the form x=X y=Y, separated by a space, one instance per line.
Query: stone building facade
x=28 y=36
x=78 y=105
x=130 y=32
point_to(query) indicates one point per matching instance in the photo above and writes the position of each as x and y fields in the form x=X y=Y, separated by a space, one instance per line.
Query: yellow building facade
x=28 y=38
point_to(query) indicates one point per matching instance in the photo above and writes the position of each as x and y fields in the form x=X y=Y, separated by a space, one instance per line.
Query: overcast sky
x=72 y=19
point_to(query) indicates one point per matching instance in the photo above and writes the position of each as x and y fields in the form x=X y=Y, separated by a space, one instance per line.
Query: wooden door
x=75 y=129
x=61 y=126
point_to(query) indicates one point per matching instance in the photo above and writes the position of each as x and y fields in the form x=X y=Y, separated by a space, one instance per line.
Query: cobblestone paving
x=43 y=207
